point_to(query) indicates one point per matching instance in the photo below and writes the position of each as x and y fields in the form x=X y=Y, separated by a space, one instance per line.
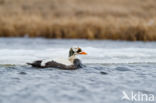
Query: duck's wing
x=43 y=64
x=60 y=65
x=60 y=61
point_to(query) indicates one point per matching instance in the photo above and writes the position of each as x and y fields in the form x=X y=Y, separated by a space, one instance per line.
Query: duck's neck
x=71 y=58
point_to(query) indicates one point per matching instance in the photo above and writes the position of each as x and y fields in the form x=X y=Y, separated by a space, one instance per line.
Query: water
x=111 y=68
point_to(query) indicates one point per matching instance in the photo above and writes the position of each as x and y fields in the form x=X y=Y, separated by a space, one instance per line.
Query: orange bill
x=83 y=53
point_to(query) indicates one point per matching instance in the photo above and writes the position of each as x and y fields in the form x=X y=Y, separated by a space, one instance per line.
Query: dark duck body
x=73 y=62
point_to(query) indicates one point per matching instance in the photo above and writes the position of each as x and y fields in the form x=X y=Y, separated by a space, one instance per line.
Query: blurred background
x=90 y=19
x=102 y=28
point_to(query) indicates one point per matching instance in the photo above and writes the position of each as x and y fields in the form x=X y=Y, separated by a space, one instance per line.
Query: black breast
x=78 y=63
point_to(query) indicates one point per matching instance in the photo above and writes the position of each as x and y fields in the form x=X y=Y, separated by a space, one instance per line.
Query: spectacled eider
x=70 y=64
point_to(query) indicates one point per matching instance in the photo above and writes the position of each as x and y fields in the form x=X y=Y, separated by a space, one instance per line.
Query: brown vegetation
x=90 y=19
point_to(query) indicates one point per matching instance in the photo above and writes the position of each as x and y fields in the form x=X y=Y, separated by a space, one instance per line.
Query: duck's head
x=75 y=51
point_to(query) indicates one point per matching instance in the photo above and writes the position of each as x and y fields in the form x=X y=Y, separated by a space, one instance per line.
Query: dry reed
x=91 y=19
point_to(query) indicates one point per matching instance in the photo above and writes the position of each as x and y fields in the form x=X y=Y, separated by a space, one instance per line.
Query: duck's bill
x=83 y=53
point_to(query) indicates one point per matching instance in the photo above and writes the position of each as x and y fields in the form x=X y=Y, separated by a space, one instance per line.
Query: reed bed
x=90 y=19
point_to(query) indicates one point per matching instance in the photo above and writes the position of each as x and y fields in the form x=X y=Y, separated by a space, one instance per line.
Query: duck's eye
x=79 y=50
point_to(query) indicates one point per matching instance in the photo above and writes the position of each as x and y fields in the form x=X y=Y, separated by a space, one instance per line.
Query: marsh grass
x=91 y=19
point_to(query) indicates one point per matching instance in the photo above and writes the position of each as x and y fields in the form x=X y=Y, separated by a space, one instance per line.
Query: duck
x=71 y=63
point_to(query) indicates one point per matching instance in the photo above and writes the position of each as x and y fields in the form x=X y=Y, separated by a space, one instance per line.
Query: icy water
x=112 y=67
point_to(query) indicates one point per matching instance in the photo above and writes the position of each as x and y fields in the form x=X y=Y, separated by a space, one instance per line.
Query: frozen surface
x=111 y=67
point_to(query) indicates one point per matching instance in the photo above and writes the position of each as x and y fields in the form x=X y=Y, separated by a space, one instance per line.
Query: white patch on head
x=75 y=48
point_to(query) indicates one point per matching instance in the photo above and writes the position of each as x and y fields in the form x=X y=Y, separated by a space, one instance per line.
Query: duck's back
x=55 y=64
x=60 y=61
